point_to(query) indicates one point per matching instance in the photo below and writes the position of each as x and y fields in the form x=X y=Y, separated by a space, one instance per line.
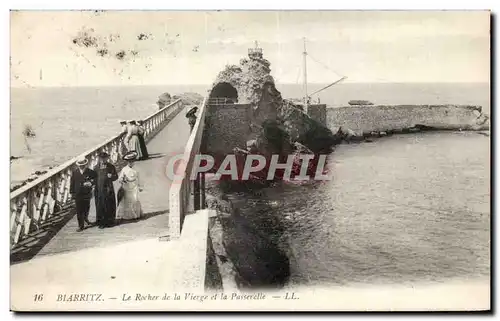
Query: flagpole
x=305 y=77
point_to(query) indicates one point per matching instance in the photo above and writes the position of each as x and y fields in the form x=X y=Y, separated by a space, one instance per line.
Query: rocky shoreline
x=32 y=177
x=248 y=238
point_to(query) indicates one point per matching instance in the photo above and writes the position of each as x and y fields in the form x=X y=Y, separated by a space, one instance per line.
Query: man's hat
x=123 y=122
x=130 y=156
x=81 y=161
x=132 y=122
x=103 y=155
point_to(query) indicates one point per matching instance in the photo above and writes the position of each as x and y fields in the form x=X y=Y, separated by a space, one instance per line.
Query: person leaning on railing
x=191 y=116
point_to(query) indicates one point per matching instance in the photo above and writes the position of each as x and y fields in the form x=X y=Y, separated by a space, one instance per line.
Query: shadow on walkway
x=31 y=245
x=144 y=217
x=153 y=156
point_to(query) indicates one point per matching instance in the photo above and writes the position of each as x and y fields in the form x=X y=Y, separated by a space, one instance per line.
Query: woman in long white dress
x=130 y=205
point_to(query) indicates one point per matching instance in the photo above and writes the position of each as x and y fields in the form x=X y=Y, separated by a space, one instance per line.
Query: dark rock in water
x=414 y=129
x=188 y=98
x=223 y=258
x=164 y=100
x=348 y=135
x=360 y=103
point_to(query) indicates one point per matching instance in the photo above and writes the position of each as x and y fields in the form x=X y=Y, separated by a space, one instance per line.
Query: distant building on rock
x=255 y=53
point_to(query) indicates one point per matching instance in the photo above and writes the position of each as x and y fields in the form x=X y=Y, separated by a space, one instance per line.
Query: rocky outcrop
x=360 y=103
x=188 y=98
x=250 y=83
x=164 y=100
x=248 y=232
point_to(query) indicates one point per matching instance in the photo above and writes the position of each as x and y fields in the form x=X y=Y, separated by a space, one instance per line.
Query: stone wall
x=318 y=113
x=382 y=118
x=227 y=127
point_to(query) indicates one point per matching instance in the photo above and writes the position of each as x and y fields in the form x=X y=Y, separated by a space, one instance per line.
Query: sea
x=402 y=209
x=406 y=210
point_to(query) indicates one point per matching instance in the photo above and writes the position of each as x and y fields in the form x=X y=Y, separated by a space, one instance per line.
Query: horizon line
x=276 y=84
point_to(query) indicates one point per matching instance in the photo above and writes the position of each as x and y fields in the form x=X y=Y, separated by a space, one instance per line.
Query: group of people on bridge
x=97 y=183
x=110 y=207
x=133 y=139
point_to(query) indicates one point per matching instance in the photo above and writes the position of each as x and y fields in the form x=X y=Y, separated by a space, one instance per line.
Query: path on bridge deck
x=154 y=199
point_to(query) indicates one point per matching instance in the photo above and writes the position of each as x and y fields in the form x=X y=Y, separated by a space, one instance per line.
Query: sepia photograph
x=232 y=160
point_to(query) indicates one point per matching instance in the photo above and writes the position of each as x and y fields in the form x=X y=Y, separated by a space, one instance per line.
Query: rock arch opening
x=225 y=90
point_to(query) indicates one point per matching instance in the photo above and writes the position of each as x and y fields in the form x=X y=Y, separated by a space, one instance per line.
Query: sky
x=192 y=47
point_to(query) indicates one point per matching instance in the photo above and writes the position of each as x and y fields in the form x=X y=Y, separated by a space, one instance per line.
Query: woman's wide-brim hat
x=103 y=155
x=130 y=156
x=81 y=161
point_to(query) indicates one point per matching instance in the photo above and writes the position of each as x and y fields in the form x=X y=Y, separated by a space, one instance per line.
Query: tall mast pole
x=305 y=77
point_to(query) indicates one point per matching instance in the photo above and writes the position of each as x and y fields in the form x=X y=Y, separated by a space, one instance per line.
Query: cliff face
x=251 y=83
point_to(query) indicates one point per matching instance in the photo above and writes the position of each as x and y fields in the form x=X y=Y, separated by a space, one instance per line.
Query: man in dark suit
x=82 y=181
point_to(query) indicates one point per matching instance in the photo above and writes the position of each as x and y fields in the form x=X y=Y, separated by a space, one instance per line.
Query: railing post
x=54 y=194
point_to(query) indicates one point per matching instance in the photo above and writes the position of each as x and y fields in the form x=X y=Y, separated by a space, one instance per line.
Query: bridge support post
x=196 y=186
x=202 y=191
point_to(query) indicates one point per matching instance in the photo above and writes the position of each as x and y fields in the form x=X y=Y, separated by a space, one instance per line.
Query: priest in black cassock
x=105 y=199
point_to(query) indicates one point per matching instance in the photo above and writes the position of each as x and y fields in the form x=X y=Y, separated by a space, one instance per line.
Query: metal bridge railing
x=221 y=101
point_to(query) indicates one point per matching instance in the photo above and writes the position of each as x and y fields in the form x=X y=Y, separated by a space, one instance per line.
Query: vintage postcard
x=250 y=161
